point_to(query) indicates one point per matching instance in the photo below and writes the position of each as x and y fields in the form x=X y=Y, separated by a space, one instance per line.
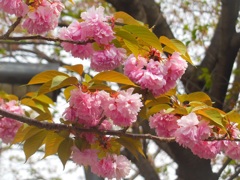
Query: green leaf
x=78 y=68
x=33 y=143
x=127 y=19
x=145 y=35
x=52 y=142
x=45 y=76
x=133 y=145
x=113 y=76
x=64 y=150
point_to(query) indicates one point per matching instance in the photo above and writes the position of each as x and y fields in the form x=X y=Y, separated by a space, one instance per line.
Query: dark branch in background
x=61 y=127
x=236 y=174
x=223 y=167
x=231 y=101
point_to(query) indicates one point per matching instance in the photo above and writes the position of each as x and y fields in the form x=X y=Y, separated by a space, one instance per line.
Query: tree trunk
x=219 y=59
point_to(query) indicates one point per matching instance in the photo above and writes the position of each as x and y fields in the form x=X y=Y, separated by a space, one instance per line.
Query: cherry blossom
x=9 y=127
x=123 y=108
x=155 y=73
x=112 y=166
x=85 y=108
x=17 y=7
x=87 y=157
x=108 y=59
x=43 y=16
x=165 y=124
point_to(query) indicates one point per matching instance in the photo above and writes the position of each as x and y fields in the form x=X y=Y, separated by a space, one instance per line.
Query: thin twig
x=12 y=28
x=46 y=39
x=60 y=127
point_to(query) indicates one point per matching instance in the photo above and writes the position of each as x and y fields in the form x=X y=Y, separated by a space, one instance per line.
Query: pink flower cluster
x=164 y=124
x=94 y=27
x=9 y=127
x=154 y=73
x=191 y=132
x=17 y=7
x=43 y=16
x=89 y=109
x=111 y=166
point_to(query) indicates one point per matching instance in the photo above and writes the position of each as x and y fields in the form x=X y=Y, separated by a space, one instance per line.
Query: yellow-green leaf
x=113 y=76
x=87 y=78
x=67 y=91
x=157 y=108
x=64 y=150
x=196 y=96
x=213 y=115
x=57 y=80
x=33 y=104
x=133 y=145
x=233 y=116
x=130 y=41
x=42 y=98
x=78 y=68
x=172 y=45
x=145 y=35
x=22 y=131
x=52 y=142
x=33 y=143
x=45 y=77
x=72 y=2
x=127 y=19
x=47 y=87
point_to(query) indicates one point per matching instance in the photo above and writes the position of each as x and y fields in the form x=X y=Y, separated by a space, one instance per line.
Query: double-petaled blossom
x=193 y=134
x=158 y=75
x=88 y=108
x=232 y=148
x=87 y=157
x=123 y=107
x=43 y=16
x=165 y=124
x=191 y=131
x=112 y=166
x=17 y=7
x=94 y=27
x=9 y=127
x=108 y=59
x=85 y=108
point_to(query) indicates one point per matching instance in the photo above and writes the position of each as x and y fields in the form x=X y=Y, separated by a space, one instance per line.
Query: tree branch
x=46 y=39
x=61 y=127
